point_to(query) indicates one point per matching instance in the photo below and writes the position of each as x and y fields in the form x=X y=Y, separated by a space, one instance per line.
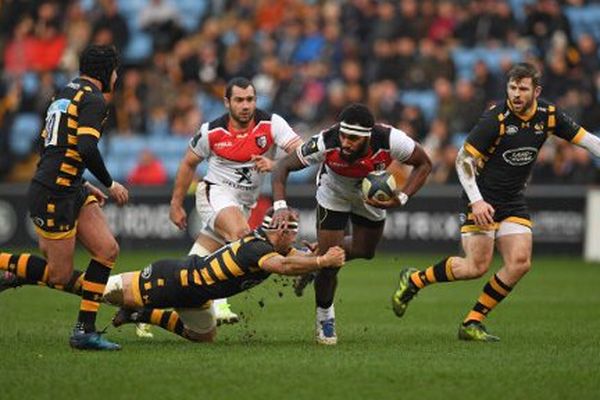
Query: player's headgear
x=356 y=119
x=99 y=62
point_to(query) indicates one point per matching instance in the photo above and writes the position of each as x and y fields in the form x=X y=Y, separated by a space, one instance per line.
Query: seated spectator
x=148 y=172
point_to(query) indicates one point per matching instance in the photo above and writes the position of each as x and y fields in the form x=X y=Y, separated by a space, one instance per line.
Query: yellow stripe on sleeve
x=266 y=257
x=88 y=130
x=472 y=150
x=578 y=136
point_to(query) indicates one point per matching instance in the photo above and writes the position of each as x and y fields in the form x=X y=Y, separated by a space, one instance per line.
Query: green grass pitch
x=550 y=348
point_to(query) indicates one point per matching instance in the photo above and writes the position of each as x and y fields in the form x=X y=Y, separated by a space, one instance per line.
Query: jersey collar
x=527 y=116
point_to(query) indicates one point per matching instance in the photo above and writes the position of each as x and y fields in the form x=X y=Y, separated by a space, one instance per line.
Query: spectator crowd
x=429 y=67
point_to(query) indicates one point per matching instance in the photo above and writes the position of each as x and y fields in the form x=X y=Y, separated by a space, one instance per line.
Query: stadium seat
x=139 y=47
x=25 y=130
x=125 y=146
x=31 y=83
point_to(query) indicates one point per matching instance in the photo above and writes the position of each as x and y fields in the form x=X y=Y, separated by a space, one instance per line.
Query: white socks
x=325 y=313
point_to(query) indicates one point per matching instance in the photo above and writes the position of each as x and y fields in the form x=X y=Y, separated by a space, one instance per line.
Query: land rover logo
x=521 y=156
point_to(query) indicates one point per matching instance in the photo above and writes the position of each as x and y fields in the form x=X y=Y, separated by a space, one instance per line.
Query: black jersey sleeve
x=87 y=146
x=566 y=128
x=92 y=111
x=483 y=135
x=253 y=253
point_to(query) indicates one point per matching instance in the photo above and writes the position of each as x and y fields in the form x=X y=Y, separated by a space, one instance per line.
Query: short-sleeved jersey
x=508 y=145
x=231 y=269
x=79 y=109
x=386 y=144
x=229 y=155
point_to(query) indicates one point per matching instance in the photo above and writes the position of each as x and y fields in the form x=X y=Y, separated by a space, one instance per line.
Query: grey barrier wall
x=429 y=222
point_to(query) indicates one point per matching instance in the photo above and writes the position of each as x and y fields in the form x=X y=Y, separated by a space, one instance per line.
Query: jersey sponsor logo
x=310 y=147
x=244 y=174
x=261 y=141
x=222 y=145
x=147 y=272
x=520 y=156
x=539 y=128
x=511 y=130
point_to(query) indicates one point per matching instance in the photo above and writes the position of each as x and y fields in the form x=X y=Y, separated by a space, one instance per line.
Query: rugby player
x=347 y=152
x=235 y=147
x=63 y=206
x=494 y=165
x=190 y=284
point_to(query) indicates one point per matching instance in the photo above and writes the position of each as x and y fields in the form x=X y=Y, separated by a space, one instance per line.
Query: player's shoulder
x=262 y=115
x=494 y=109
x=545 y=106
x=220 y=122
x=331 y=136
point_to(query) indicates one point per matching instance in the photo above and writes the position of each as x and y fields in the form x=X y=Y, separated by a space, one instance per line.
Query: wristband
x=279 y=204
x=403 y=197
x=112 y=185
x=318 y=262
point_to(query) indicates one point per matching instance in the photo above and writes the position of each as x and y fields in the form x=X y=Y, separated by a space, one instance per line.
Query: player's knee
x=367 y=254
x=479 y=267
x=206 y=337
x=521 y=265
x=110 y=251
x=235 y=234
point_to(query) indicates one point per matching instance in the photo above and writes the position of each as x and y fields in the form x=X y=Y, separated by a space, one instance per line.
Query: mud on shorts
x=55 y=213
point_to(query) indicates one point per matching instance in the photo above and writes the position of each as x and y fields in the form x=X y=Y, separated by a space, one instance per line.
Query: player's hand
x=178 y=216
x=263 y=164
x=383 y=204
x=119 y=193
x=280 y=218
x=483 y=213
x=335 y=257
x=97 y=193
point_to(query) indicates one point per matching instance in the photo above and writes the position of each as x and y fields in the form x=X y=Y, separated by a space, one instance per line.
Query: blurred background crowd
x=429 y=67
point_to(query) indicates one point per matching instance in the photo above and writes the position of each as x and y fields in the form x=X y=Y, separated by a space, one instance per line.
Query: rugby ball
x=379 y=185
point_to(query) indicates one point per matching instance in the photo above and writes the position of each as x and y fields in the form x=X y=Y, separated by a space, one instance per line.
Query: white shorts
x=504 y=228
x=348 y=202
x=199 y=320
x=210 y=200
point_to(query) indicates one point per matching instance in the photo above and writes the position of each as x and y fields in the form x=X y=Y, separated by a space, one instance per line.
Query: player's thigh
x=94 y=233
x=515 y=250
x=366 y=235
x=231 y=223
x=479 y=249
x=331 y=226
x=59 y=255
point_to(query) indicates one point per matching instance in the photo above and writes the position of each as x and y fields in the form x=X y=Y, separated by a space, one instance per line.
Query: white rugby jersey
x=386 y=144
x=229 y=155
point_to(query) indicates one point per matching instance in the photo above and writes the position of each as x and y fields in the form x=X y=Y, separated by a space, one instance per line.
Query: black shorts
x=165 y=284
x=337 y=220
x=514 y=211
x=55 y=213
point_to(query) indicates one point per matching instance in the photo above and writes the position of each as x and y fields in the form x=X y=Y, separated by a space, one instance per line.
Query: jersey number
x=52 y=124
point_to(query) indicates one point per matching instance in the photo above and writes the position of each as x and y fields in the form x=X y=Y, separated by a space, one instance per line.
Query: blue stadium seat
x=139 y=48
x=25 y=130
x=125 y=146
x=584 y=20
x=31 y=83
x=191 y=12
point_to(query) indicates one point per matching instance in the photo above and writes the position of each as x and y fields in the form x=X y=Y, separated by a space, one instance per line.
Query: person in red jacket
x=149 y=171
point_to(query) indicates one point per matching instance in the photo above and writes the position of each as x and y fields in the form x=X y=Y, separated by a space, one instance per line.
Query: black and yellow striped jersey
x=78 y=109
x=507 y=145
x=231 y=269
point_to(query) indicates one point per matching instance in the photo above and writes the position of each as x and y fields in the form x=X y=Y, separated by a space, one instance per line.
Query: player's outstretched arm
x=591 y=143
x=466 y=169
x=183 y=179
x=297 y=264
